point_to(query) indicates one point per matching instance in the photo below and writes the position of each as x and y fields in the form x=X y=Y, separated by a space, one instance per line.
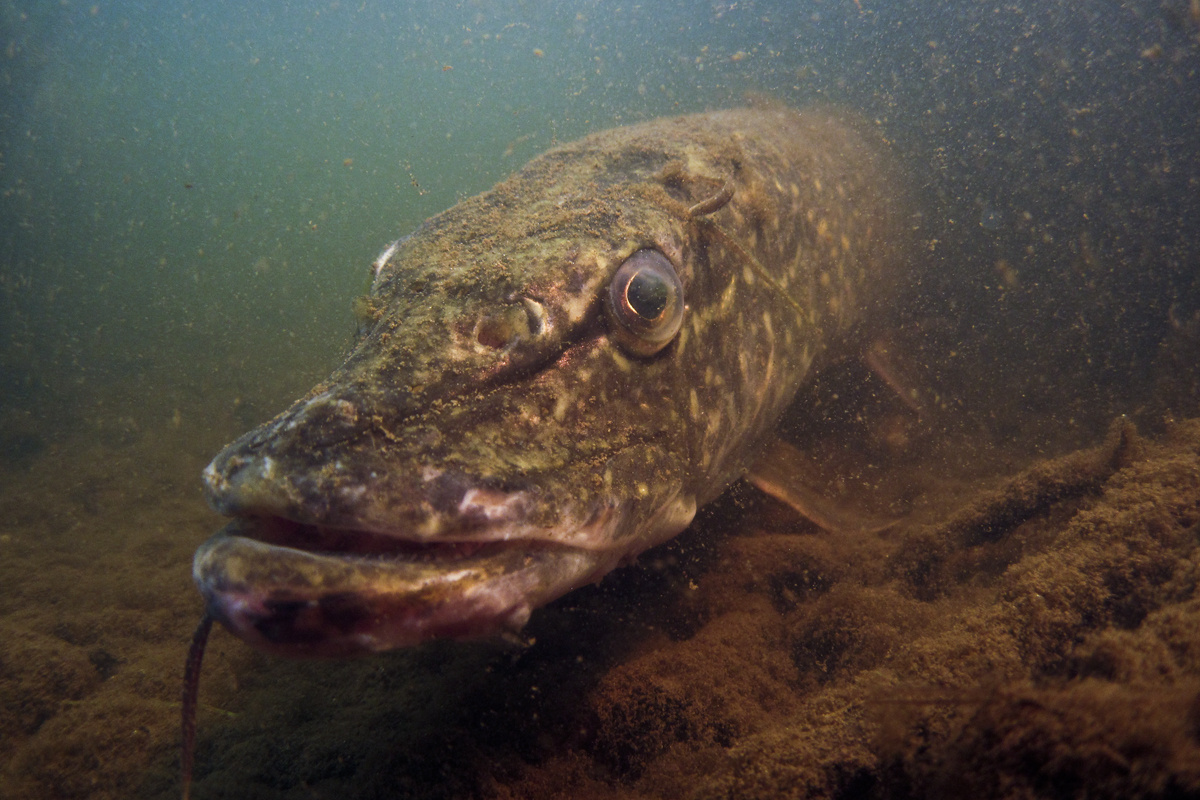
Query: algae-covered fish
x=550 y=378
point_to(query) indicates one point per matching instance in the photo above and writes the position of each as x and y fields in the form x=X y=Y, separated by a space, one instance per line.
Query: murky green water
x=192 y=193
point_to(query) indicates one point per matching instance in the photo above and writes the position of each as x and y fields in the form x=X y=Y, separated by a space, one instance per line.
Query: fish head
x=509 y=425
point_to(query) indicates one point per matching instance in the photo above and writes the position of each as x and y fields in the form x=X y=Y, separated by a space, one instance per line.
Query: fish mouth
x=350 y=542
x=304 y=590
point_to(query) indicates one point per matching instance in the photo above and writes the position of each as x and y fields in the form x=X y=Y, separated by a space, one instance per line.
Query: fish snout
x=237 y=484
x=308 y=464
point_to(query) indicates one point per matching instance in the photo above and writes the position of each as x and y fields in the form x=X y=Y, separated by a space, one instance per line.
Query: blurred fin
x=786 y=474
x=899 y=373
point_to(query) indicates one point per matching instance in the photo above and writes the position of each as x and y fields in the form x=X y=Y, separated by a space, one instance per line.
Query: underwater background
x=191 y=195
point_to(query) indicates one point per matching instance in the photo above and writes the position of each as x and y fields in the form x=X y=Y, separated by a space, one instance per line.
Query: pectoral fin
x=786 y=474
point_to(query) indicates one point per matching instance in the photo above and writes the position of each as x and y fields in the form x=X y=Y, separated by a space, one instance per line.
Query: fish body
x=551 y=378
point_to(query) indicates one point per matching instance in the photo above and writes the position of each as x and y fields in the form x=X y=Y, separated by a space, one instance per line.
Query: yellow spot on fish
x=728 y=295
x=817 y=184
x=714 y=424
x=643 y=490
x=825 y=280
x=621 y=361
x=561 y=405
x=694 y=402
x=822 y=227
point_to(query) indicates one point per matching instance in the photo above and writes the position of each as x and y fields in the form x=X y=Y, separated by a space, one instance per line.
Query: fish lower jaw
x=339 y=625
x=311 y=604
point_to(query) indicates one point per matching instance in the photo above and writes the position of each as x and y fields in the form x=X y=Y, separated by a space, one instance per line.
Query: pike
x=550 y=378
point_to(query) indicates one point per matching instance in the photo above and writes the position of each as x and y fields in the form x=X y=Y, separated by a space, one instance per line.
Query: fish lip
x=309 y=603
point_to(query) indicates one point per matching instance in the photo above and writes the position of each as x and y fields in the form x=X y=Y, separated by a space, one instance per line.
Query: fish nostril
x=346 y=411
x=215 y=480
x=494 y=331
x=535 y=314
x=502 y=328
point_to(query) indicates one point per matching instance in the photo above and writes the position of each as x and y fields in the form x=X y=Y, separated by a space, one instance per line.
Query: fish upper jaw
x=408 y=502
x=354 y=487
x=417 y=507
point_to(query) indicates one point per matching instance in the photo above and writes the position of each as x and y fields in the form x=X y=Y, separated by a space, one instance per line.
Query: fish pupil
x=645 y=303
x=647 y=294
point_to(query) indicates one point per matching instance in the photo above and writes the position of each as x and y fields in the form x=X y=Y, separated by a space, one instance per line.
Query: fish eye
x=645 y=303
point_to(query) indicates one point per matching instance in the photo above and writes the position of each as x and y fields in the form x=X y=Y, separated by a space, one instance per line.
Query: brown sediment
x=1029 y=635
x=922 y=560
x=1056 y=654
x=1042 y=641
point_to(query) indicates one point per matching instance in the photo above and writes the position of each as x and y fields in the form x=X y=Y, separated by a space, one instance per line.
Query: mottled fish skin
x=490 y=443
